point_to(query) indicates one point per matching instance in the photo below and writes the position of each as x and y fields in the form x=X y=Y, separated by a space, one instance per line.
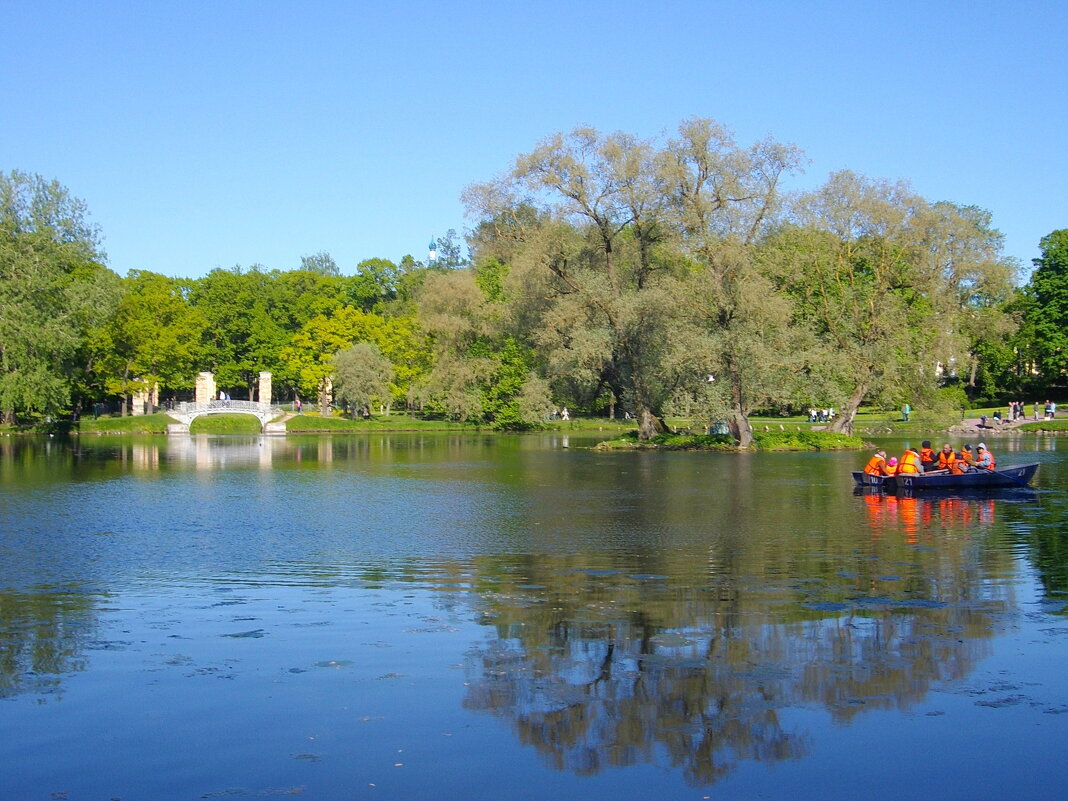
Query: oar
x=1011 y=477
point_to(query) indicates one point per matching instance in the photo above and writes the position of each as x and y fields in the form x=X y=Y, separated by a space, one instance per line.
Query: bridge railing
x=222 y=406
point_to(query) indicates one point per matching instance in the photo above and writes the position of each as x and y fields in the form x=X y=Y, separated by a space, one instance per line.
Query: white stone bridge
x=186 y=413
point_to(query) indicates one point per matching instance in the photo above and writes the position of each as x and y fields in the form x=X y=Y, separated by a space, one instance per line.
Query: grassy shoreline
x=770 y=433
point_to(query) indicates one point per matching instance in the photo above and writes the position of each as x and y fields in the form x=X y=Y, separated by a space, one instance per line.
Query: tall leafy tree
x=375 y=283
x=153 y=338
x=971 y=284
x=724 y=199
x=322 y=263
x=1046 y=308
x=308 y=360
x=252 y=314
x=53 y=289
x=596 y=248
x=898 y=289
x=481 y=371
x=852 y=273
x=362 y=375
x=448 y=252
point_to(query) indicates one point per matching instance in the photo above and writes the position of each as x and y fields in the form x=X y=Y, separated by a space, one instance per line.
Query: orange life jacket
x=927 y=456
x=946 y=460
x=909 y=463
x=992 y=464
x=891 y=469
x=876 y=466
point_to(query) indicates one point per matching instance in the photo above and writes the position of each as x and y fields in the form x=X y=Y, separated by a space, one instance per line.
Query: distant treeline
x=605 y=273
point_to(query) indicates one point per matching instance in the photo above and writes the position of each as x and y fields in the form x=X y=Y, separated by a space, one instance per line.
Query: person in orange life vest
x=946 y=458
x=891 y=467
x=984 y=459
x=928 y=460
x=967 y=458
x=909 y=463
x=876 y=466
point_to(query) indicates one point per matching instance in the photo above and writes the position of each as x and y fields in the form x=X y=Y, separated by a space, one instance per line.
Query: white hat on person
x=981 y=445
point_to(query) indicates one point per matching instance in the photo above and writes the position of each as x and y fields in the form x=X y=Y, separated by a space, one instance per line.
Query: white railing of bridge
x=222 y=406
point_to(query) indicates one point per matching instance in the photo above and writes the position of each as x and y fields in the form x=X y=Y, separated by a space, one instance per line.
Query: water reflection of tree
x=43 y=636
x=632 y=660
x=1043 y=530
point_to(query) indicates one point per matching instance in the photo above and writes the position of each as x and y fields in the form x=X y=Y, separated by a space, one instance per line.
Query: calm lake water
x=496 y=617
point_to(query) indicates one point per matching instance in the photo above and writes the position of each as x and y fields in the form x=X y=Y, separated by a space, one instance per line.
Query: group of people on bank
x=926 y=460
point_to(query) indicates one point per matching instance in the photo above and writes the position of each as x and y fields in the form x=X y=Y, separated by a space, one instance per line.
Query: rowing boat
x=1015 y=475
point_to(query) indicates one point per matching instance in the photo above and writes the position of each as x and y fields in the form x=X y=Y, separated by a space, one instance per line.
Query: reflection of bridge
x=186 y=413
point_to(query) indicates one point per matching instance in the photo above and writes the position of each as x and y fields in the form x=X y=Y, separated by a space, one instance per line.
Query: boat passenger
x=891 y=466
x=984 y=459
x=928 y=460
x=876 y=466
x=909 y=463
x=946 y=458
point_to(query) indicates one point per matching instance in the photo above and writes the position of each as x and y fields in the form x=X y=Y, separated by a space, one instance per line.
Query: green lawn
x=1044 y=425
x=226 y=424
x=142 y=424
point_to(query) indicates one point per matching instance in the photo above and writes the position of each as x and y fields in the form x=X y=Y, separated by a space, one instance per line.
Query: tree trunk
x=737 y=418
x=9 y=417
x=843 y=423
x=649 y=424
x=738 y=425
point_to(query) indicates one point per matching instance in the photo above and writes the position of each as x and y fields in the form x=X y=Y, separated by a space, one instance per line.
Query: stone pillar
x=153 y=398
x=205 y=390
x=140 y=398
x=264 y=395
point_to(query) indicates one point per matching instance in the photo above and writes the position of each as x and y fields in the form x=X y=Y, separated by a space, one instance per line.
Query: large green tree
x=154 y=337
x=307 y=362
x=248 y=319
x=724 y=199
x=596 y=249
x=1046 y=309
x=54 y=288
x=362 y=375
x=894 y=287
x=481 y=370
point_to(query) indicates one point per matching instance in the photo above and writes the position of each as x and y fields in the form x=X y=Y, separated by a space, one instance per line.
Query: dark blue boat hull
x=1016 y=475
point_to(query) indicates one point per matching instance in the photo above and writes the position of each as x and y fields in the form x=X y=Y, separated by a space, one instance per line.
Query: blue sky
x=209 y=134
